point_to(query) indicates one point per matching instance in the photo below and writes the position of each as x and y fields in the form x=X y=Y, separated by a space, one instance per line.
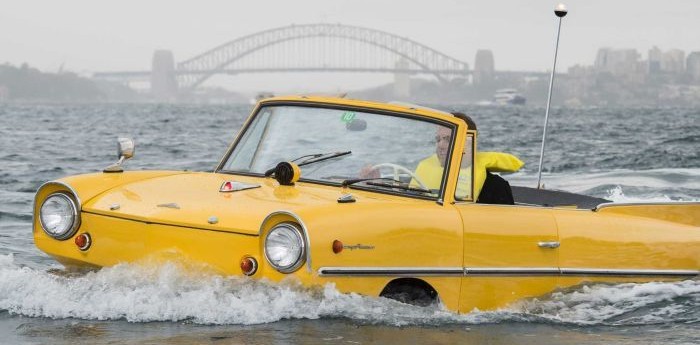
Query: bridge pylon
x=163 y=78
x=402 y=80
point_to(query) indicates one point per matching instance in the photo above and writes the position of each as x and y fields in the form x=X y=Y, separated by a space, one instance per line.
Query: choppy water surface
x=619 y=154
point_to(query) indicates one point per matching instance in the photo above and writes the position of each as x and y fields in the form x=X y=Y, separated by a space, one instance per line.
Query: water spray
x=560 y=11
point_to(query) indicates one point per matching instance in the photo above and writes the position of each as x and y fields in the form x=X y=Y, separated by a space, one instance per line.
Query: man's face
x=442 y=138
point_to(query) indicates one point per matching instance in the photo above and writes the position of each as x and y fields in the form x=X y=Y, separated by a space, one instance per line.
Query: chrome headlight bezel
x=73 y=228
x=300 y=241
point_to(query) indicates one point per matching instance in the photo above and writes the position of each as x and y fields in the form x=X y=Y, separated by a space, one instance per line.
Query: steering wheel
x=400 y=168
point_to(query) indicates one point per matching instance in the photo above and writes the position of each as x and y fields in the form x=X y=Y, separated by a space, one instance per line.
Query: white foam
x=175 y=292
x=167 y=292
x=620 y=304
x=617 y=195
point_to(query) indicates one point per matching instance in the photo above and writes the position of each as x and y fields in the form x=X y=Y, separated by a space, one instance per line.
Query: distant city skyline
x=86 y=36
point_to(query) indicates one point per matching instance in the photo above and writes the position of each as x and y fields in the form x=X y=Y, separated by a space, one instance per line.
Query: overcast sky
x=106 y=35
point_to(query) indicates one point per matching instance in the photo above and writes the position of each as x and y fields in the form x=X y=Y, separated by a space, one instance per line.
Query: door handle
x=551 y=245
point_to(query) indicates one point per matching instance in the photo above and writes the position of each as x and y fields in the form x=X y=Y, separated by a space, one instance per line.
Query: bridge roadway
x=144 y=75
x=131 y=74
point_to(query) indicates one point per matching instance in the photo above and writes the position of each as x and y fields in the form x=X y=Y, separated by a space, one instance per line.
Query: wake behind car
x=379 y=199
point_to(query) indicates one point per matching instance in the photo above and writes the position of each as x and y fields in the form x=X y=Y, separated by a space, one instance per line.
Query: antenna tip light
x=560 y=10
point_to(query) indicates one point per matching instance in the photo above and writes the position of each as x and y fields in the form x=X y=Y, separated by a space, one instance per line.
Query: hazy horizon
x=87 y=36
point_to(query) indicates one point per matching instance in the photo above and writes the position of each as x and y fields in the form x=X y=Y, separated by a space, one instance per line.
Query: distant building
x=673 y=61
x=655 y=56
x=484 y=67
x=617 y=61
x=693 y=65
x=163 y=83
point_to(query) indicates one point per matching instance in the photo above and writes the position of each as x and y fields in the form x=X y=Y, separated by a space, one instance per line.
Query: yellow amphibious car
x=379 y=199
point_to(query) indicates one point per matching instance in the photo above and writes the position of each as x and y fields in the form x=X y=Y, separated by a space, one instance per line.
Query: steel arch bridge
x=275 y=54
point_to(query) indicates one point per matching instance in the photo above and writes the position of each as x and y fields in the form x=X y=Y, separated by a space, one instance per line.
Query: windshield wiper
x=396 y=184
x=314 y=158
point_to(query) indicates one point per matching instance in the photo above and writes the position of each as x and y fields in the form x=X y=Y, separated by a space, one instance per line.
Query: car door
x=510 y=252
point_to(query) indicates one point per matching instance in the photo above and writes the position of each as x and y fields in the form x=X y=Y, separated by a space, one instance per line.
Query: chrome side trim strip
x=511 y=271
x=391 y=271
x=499 y=271
x=668 y=203
x=303 y=228
x=628 y=272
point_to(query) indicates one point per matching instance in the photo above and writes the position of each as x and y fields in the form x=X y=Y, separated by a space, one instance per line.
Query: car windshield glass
x=407 y=149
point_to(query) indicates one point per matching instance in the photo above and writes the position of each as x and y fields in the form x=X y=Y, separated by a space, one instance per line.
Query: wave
x=5 y=216
x=179 y=292
x=621 y=304
x=677 y=184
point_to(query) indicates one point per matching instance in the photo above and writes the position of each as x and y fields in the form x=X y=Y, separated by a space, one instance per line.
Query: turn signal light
x=337 y=246
x=249 y=266
x=83 y=241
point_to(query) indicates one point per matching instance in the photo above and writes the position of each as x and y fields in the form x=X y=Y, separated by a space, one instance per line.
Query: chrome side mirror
x=125 y=150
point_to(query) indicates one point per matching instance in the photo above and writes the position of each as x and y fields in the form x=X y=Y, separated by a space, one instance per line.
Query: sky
x=86 y=35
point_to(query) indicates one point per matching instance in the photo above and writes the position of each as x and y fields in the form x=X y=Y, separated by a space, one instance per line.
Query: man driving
x=429 y=171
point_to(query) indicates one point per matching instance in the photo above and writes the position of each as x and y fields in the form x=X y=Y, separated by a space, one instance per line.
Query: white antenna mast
x=560 y=11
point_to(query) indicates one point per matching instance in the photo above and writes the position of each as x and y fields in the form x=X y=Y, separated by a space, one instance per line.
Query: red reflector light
x=226 y=187
x=249 y=266
x=83 y=241
x=337 y=246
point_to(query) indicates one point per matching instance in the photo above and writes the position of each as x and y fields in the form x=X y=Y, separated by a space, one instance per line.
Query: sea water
x=644 y=154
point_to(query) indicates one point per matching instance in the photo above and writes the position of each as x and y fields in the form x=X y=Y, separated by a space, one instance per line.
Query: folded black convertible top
x=544 y=197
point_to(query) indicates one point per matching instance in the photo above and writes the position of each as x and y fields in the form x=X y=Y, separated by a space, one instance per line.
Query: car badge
x=234 y=186
x=170 y=205
x=213 y=220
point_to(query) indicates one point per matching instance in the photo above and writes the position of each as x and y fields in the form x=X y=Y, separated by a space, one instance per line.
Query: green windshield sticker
x=347 y=116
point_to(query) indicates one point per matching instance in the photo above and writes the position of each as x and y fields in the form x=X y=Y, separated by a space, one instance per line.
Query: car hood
x=194 y=200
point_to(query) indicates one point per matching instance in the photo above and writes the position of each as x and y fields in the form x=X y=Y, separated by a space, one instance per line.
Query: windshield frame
x=257 y=111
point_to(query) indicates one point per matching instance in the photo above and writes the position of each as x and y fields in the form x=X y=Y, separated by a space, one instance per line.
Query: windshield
x=335 y=145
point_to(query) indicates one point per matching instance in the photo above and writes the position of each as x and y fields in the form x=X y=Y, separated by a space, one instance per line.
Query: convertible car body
x=326 y=190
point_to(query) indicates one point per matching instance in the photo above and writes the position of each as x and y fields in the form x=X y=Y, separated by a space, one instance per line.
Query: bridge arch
x=198 y=69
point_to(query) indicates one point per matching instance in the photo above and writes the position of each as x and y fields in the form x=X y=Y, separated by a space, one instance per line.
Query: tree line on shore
x=25 y=83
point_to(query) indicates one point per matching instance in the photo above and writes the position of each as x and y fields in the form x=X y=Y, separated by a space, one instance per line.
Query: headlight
x=284 y=248
x=59 y=216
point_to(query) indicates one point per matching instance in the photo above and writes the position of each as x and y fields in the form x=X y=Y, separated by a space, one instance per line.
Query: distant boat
x=508 y=96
